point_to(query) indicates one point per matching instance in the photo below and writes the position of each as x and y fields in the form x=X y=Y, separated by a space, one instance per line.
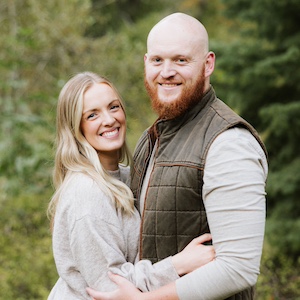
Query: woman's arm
x=99 y=244
x=107 y=254
x=194 y=255
x=234 y=197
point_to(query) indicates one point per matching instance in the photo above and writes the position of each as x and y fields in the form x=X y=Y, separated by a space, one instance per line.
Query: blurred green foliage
x=43 y=43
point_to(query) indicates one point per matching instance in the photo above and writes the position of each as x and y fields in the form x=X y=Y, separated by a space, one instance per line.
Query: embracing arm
x=193 y=255
x=127 y=291
x=234 y=198
x=100 y=243
x=147 y=276
x=98 y=246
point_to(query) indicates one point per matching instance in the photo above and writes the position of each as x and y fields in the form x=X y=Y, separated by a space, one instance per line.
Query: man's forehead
x=178 y=29
x=184 y=46
x=172 y=52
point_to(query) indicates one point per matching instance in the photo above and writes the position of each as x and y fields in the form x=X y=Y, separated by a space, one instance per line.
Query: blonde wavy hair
x=73 y=152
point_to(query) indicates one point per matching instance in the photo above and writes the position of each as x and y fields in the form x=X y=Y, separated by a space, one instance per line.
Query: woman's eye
x=91 y=116
x=114 y=107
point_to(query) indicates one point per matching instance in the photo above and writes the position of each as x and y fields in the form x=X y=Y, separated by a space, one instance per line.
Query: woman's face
x=103 y=121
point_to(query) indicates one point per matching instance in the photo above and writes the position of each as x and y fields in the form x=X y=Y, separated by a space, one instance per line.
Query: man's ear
x=145 y=57
x=210 y=63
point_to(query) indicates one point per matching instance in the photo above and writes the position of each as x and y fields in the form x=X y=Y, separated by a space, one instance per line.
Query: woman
x=94 y=222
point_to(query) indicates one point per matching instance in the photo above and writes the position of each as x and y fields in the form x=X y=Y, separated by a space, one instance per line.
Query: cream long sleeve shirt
x=234 y=197
x=91 y=237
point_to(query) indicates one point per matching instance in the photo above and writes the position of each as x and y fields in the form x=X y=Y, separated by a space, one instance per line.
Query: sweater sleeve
x=234 y=198
x=100 y=242
x=96 y=253
x=147 y=276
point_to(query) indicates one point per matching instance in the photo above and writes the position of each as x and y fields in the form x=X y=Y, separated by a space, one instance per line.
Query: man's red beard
x=189 y=97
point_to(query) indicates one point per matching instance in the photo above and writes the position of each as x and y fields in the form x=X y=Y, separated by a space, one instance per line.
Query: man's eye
x=156 y=60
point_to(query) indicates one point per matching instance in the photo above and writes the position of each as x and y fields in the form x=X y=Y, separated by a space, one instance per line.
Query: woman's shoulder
x=79 y=183
x=125 y=174
x=80 y=179
x=81 y=188
x=83 y=196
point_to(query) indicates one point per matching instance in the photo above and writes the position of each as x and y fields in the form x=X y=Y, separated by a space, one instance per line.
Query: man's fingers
x=124 y=287
x=100 y=295
x=117 y=279
x=93 y=293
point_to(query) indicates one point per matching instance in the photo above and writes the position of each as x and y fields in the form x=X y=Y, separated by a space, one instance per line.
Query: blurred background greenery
x=43 y=43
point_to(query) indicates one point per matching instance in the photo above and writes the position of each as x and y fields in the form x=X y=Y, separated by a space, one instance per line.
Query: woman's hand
x=194 y=255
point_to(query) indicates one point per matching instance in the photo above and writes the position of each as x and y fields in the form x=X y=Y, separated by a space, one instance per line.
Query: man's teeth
x=169 y=84
x=110 y=133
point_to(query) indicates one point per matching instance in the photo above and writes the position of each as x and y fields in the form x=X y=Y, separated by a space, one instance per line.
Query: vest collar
x=172 y=125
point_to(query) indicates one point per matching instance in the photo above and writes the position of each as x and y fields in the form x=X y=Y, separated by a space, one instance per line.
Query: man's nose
x=168 y=70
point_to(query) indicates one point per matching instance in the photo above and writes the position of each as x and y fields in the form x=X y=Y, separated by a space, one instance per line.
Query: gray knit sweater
x=91 y=236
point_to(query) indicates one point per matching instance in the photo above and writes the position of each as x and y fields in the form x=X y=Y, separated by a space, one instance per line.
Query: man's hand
x=126 y=290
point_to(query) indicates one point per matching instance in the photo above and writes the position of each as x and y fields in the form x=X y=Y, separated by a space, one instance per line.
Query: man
x=199 y=168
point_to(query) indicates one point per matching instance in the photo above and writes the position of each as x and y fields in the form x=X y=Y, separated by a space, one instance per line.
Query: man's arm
x=127 y=291
x=193 y=255
x=234 y=198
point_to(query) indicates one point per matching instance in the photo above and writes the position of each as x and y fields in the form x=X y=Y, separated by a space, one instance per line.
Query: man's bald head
x=178 y=64
x=176 y=23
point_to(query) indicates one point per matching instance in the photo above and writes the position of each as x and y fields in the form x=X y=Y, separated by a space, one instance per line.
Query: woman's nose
x=107 y=119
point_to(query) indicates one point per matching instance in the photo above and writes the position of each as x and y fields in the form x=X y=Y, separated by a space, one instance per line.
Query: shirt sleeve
x=234 y=198
x=99 y=244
